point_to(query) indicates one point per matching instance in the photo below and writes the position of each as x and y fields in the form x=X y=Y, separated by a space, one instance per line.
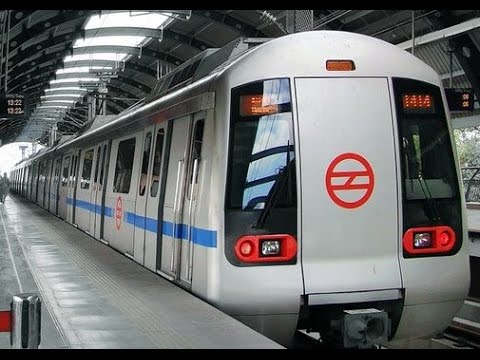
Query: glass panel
x=124 y=165
x=262 y=146
x=66 y=166
x=146 y=157
x=157 y=162
x=97 y=165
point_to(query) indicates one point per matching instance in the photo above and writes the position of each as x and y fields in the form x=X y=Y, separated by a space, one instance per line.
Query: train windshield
x=262 y=151
x=430 y=185
x=261 y=182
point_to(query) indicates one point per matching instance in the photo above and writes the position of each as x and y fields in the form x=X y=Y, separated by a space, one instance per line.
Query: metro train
x=307 y=182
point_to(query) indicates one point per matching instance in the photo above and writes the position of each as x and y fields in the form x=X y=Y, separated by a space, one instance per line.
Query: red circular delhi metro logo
x=118 y=213
x=349 y=180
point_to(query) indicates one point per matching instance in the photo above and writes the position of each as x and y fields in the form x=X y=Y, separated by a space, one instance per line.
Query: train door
x=26 y=182
x=63 y=188
x=33 y=196
x=174 y=199
x=97 y=190
x=26 y=176
x=148 y=233
x=44 y=180
x=31 y=181
x=185 y=150
x=40 y=183
x=142 y=196
x=54 y=185
x=125 y=161
x=73 y=173
x=83 y=205
x=192 y=168
x=348 y=178
x=49 y=180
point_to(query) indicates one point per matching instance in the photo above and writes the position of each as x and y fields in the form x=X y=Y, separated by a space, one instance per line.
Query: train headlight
x=270 y=247
x=422 y=240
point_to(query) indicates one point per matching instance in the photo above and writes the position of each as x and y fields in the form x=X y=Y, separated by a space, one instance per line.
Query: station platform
x=93 y=297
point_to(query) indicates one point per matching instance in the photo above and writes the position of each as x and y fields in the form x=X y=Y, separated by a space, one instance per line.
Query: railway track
x=462 y=336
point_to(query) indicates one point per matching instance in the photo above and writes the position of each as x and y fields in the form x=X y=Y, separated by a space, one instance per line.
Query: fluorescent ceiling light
x=53 y=107
x=84 y=69
x=60 y=101
x=127 y=19
x=128 y=40
x=61 y=95
x=69 y=80
x=95 y=56
x=66 y=88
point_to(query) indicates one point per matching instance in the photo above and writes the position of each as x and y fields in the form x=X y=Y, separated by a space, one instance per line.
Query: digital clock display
x=12 y=105
x=460 y=99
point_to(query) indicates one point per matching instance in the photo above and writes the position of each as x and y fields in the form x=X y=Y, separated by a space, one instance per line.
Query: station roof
x=54 y=58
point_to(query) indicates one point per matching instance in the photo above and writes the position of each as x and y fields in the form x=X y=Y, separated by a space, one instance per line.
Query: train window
x=40 y=172
x=146 y=157
x=87 y=169
x=430 y=185
x=261 y=149
x=97 y=165
x=103 y=163
x=66 y=165
x=428 y=164
x=195 y=153
x=157 y=162
x=123 y=166
x=73 y=171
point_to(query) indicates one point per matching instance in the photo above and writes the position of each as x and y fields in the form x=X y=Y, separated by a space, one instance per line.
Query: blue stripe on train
x=200 y=236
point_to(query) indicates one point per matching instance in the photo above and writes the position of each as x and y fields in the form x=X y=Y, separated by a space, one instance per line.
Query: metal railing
x=471 y=183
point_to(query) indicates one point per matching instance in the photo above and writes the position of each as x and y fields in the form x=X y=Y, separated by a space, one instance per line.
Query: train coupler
x=364 y=328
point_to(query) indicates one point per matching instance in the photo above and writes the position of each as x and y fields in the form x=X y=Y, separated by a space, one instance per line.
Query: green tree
x=467 y=142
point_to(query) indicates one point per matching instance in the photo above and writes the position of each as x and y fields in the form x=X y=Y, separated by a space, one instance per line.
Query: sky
x=10 y=154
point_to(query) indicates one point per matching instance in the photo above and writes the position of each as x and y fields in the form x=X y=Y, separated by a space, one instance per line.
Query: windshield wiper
x=283 y=178
x=435 y=215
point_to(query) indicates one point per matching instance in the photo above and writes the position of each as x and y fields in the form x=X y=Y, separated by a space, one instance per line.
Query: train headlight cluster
x=266 y=248
x=428 y=240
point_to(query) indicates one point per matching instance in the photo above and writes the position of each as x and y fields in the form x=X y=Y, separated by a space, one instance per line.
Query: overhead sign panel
x=459 y=99
x=12 y=105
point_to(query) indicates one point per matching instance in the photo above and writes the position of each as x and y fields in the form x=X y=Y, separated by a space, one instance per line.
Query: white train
x=308 y=182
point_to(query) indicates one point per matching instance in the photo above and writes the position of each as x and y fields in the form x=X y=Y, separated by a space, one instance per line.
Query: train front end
x=343 y=175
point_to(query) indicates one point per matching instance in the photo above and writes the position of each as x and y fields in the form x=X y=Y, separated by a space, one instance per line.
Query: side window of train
x=123 y=166
x=97 y=164
x=73 y=170
x=196 y=152
x=86 y=169
x=58 y=169
x=103 y=164
x=66 y=166
x=147 y=144
x=157 y=163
